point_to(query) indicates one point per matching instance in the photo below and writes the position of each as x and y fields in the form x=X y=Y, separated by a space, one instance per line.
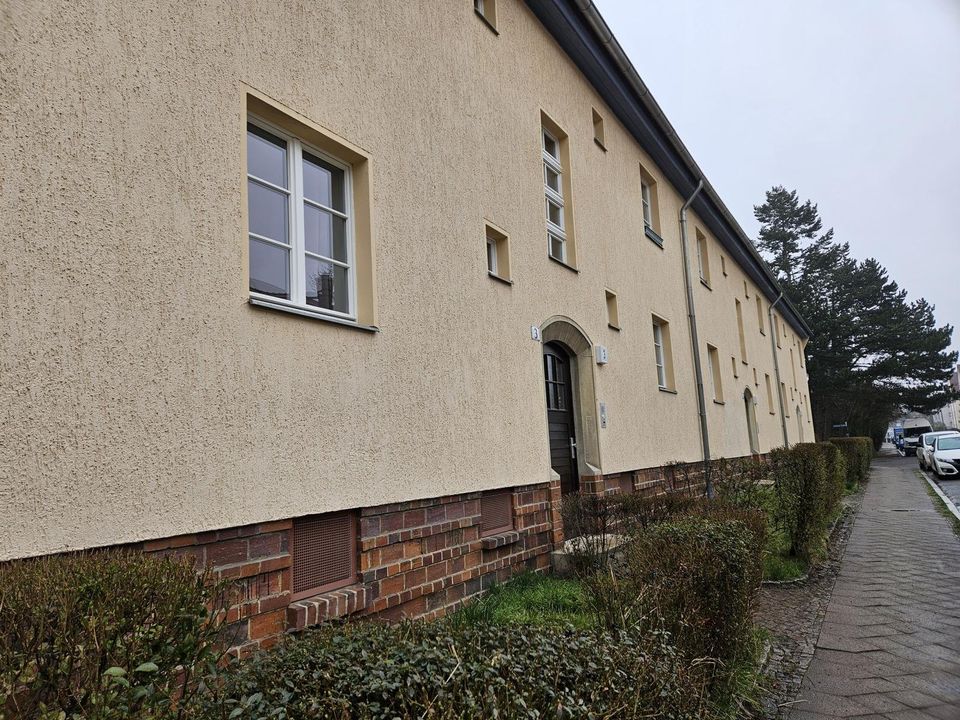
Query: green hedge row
x=104 y=635
x=447 y=671
x=858 y=452
x=809 y=479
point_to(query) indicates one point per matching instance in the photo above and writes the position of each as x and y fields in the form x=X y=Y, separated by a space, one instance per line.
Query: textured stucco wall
x=142 y=396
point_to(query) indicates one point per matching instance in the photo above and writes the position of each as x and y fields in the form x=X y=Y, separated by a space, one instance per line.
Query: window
x=736 y=366
x=703 y=259
x=743 y=339
x=556 y=187
x=793 y=367
x=487 y=9
x=770 y=407
x=649 y=204
x=498 y=253
x=756 y=381
x=324 y=553
x=613 y=312
x=714 y=356
x=783 y=397
x=776 y=329
x=496 y=512
x=663 y=353
x=749 y=404
x=723 y=265
x=803 y=349
x=598 y=129
x=746 y=290
x=760 y=315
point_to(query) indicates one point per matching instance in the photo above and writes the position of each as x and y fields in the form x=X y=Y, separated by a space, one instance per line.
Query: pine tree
x=872 y=352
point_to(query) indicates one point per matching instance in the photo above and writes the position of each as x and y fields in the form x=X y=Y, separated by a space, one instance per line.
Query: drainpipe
x=776 y=369
x=692 y=316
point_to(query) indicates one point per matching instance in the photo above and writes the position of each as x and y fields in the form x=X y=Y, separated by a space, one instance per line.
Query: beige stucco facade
x=142 y=396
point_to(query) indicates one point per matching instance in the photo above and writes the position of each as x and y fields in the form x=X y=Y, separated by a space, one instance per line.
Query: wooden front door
x=563 y=442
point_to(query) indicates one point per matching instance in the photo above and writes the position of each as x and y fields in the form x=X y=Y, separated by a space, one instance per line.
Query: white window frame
x=297 y=245
x=659 y=355
x=492 y=259
x=553 y=196
x=645 y=201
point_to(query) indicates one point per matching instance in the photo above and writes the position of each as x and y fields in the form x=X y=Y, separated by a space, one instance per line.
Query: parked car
x=946 y=455
x=925 y=447
x=912 y=430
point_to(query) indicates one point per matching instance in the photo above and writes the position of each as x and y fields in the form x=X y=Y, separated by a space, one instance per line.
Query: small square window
x=650 y=206
x=324 y=550
x=703 y=258
x=613 y=311
x=736 y=367
x=487 y=9
x=498 y=253
x=598 y=130
x=496 y=512
x=714 y=356
x=723 y=265
x=746 y=290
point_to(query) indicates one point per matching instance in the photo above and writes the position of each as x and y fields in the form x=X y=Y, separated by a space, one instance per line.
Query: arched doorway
x=568 y=365
x=561 y=423
x=750 y=409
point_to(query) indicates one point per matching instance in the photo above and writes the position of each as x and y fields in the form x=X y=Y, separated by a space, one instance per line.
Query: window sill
x=319 y=608
x=487 y=22
x=667 y=390
x=706 y=284
x=649 y=232
x=309 y=312
x=600 y=144
x=571 y=268
x=498 y=278
x=492 y=542
x=718 y=402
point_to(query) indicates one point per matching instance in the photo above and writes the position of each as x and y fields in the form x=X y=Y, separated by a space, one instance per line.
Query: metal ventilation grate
x=496 y=512
x=324 y=552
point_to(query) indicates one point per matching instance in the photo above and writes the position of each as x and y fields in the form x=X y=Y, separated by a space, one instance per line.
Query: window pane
x=266 y=156
x=556 y=247
x=268 y=211
x=491 y=256
x=550 y=145
x=327 y=286
x=554 y=213
x=323 y=183
x=551 y=178
x=324 y=233
x=269 y=269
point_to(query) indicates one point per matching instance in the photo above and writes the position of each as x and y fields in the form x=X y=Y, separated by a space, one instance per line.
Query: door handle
x=573 y=448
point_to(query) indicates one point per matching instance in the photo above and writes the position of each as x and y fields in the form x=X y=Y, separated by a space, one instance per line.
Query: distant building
x=949 y=414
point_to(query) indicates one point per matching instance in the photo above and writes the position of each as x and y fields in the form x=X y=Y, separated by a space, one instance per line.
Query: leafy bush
x=741 y=481
x=702 y=576
x=808 y=484
x=858 y=452
x=103 y=635
x=444 y=671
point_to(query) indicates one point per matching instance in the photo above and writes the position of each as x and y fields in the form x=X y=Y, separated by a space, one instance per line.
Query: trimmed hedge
x=106 y=634
x=858 y=452
x=447 y=671
x=808 y=483
x=701 y=576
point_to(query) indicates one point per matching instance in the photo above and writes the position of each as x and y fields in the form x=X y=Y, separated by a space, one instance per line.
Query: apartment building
x=340 y=298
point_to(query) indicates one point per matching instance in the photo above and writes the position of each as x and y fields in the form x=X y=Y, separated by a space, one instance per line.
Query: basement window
x=324 y=550
x=496 y=512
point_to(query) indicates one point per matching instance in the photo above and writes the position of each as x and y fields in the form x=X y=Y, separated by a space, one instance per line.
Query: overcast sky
x=853 y=103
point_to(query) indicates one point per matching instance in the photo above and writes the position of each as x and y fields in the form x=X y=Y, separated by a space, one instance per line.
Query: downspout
x=776 y=369
x=692 y=316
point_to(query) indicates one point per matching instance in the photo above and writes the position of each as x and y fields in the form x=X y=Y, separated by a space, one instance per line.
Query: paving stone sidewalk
x=889 y=646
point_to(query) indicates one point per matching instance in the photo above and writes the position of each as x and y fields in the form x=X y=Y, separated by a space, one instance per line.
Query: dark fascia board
x=573 y=25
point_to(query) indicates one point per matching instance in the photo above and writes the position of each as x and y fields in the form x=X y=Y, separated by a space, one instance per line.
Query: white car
x=946 y=456
x=925 y=447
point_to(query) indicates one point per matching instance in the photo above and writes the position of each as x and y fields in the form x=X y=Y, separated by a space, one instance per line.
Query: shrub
x=835 y=479
x=443 y=671
x=806 y=477
x=103 y=635
x=741 y=481
x=858 y=452
x=702 y=576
